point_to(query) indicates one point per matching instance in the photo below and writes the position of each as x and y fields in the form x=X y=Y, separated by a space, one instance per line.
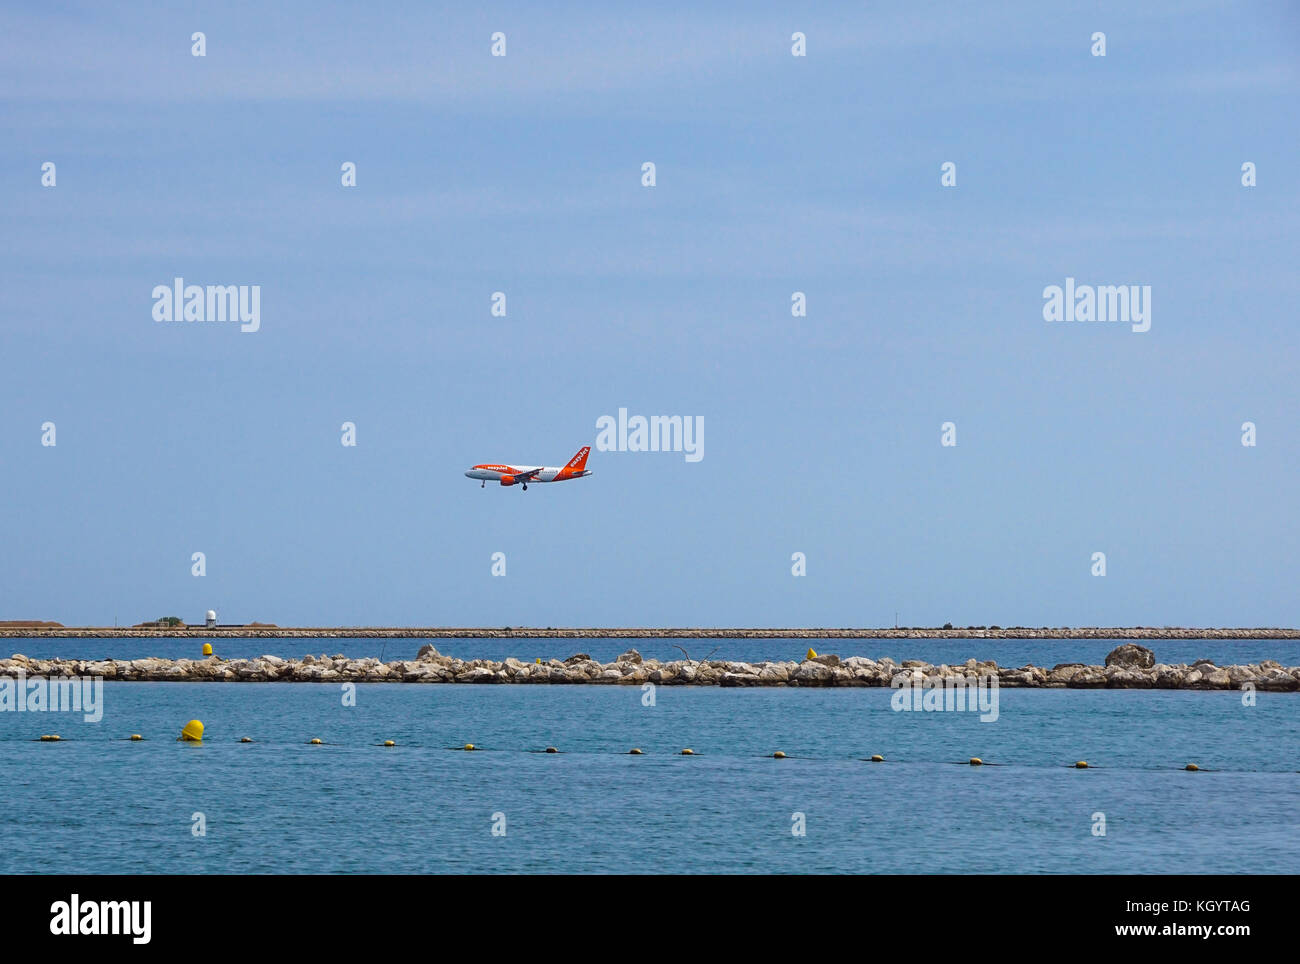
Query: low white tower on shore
x=211 y=619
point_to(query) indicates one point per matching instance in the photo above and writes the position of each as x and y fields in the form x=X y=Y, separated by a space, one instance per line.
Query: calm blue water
x=1005 y=652
x=97 y=803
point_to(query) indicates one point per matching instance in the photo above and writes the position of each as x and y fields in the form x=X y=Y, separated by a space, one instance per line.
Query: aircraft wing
x=525 y=476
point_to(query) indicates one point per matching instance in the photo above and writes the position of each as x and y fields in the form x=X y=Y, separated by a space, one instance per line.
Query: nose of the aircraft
x=469 y=473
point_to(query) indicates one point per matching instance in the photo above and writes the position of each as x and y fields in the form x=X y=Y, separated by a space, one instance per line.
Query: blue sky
x=775 y=174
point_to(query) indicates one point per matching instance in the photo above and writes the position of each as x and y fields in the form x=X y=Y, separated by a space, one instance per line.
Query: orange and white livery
x=523 y=474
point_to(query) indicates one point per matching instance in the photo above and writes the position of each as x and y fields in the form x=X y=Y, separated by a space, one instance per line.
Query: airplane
x=523 y=474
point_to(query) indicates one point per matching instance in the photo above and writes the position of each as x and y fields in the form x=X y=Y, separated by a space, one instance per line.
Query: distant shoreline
x=438 y=632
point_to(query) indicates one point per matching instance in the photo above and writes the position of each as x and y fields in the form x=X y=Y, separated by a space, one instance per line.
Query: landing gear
x=525 y=486
x=483 y=485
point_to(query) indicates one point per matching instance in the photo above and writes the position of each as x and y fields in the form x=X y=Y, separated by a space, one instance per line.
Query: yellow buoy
x=315 y=741
x=877 y=758
x=136 y=736
x=192 y=731
x=635 y=751
x=1191 y=766
x=778 y=755
x=811 y=654
x=551 y=749
x=469 y=746
x=1081 y=765
x=688 y=752
x=245 y=739
x=976 y=761
x=51 y=738
x=207 y=649
x=389 y=743
x=539 y=661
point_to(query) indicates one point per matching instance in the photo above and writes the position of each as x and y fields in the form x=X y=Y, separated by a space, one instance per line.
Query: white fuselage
x=523 y=474
x=497 y=472
x=548 y=473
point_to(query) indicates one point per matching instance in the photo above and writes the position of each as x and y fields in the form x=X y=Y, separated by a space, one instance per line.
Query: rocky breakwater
x=1127 y=667
x=525 y=632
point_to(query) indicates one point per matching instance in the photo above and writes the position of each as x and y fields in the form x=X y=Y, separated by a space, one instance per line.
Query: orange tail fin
x=579 y=462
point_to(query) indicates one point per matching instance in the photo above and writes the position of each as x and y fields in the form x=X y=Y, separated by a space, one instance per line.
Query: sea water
x=99 y=803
